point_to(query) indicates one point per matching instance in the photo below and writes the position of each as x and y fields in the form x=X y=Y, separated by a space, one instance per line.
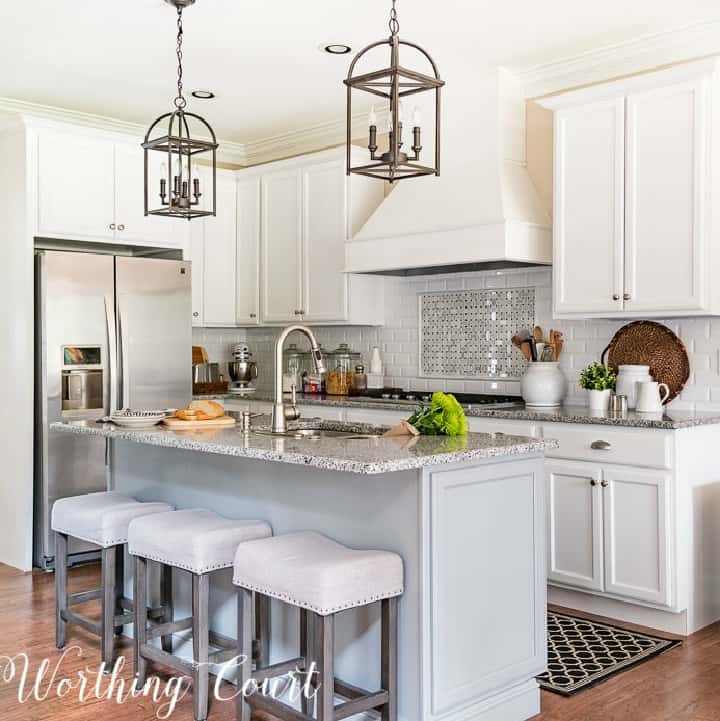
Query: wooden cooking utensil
x=522 y=345
x=199 y=354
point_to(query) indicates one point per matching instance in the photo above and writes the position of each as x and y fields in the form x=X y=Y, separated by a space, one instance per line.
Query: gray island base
x=466 y=515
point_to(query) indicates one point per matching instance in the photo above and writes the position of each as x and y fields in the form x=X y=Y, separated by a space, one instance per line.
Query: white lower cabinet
x=610 y=530
x=574 y=527
x=637 y=534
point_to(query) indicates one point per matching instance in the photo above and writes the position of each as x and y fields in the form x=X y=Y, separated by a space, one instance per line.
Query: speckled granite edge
x=380 y=455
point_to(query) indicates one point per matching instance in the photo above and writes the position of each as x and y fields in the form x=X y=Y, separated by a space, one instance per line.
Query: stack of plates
x=137 y=419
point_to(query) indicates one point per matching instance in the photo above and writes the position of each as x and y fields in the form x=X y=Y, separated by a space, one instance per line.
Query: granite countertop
x=354 y=455
x=669 y=419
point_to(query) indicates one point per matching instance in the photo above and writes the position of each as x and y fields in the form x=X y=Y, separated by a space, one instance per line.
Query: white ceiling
x=260 y=56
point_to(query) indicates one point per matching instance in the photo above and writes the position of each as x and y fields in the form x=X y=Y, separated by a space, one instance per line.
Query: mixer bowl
x=242 y=372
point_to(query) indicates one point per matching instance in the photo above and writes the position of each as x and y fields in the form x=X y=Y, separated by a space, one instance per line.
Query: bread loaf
x=207 y=410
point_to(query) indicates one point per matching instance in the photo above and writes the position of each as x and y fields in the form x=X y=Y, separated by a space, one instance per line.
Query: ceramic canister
x=628 y=378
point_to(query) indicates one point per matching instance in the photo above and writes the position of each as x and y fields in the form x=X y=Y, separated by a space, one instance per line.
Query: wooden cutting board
x=178 y=424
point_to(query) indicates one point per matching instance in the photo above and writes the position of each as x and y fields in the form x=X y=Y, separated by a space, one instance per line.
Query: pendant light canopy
x=394 y=83
x=178 y=184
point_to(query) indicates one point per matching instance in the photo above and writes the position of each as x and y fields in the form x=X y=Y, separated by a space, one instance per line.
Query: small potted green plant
x=599 y=381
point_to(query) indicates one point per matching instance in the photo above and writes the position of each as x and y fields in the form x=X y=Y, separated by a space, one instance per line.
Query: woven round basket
x=645 y=342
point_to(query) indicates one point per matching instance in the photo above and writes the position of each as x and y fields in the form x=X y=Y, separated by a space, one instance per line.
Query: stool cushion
x=195 y=540
x=100 y=518
x=314 y=572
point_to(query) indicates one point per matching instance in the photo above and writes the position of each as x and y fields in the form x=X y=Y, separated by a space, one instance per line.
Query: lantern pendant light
x=394 y=83
x=179 y=186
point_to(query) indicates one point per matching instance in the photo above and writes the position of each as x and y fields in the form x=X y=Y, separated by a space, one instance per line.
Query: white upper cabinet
x=90 y=188
x=76 y=186
x=588 y=216
x=668 y=139
x=309 y=208
x=634 y=195
x=281 y=248
x=248 y=251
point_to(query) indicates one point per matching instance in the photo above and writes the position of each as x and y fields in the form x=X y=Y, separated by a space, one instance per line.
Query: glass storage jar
x=296 y=364
x=341 y=369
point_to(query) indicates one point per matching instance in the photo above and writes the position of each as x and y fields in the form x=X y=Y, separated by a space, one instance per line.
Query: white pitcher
x=649 y=398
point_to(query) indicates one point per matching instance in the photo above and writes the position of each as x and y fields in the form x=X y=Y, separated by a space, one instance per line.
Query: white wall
x=398 y=339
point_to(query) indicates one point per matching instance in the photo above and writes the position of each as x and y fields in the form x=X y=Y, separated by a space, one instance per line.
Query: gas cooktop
x=386 y=395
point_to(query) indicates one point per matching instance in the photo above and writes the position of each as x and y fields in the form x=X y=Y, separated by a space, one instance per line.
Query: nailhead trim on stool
x=200 y=542
x=287 y=568
x=101 y=519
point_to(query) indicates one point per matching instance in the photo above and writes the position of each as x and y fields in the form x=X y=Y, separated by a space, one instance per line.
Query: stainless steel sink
x=316 y=434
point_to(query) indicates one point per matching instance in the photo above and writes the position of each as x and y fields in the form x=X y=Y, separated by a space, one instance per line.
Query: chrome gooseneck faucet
x=281 y=413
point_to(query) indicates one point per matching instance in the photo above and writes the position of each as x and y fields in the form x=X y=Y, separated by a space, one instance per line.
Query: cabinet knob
x=626 y=296
x=593 y=482
x=121 y=227
x=616 y=296
x=604 y=484
x=600 y=445
x=253 y=315
x=298 y=312
x=112 y=226
x=196 y=314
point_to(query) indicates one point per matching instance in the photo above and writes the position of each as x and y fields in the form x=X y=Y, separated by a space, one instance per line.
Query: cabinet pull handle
x=626 y=296
x=600 y=445
x=121 y=227
x=253 y=315
x=196 y=314
x=616 y=296
x=604 y=484
x=112 y=226
x=298 y=312
x=593 y=482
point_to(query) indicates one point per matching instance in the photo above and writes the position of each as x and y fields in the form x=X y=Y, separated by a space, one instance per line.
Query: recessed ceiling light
x=203 y=94
x=336 y=48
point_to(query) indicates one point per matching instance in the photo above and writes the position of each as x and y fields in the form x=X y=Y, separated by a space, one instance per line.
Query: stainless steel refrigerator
x=110 y=332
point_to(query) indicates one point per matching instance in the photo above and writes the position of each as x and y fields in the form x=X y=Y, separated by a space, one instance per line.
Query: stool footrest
x=167 y=629
x=272 y=706
x=220 y=641
x=166 y=659
x=123 y=619
x=222 y=656
x=279 y=669
x=72 y=617
x=359 y=704
x=75 y=598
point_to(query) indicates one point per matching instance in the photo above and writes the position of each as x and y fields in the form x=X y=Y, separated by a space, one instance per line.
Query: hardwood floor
x=681 y=685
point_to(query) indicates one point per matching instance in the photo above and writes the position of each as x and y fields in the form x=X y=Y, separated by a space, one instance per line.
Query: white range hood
x=482 y=212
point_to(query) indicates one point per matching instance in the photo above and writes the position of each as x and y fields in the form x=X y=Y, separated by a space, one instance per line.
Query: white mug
x=649 y=399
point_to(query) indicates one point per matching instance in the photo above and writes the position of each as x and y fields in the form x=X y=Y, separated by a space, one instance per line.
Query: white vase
x=543 y=384
x=599 y=401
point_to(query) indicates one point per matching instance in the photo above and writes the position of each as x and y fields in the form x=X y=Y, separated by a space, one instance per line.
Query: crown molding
x=307 y=140
x=228 y=152
x=644 y=53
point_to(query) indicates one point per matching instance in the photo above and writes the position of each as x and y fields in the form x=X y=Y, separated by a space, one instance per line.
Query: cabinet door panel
x=574 y=507
x=588 y=216
x=219 y=258
x=637 y=534
x=324 y=288
x=76 y=195
x=248 y=251
x=133 y=226
x=281 y=246
x=666 y=185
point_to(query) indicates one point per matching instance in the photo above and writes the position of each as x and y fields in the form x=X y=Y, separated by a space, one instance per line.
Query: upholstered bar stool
x=199 y=542
x=101 y=519
x=322 y=578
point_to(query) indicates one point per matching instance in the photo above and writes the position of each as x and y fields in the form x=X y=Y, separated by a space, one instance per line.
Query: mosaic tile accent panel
x=466 y=333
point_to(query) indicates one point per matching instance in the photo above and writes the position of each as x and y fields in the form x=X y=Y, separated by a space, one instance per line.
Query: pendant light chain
x=394 y=25
x=180 y=101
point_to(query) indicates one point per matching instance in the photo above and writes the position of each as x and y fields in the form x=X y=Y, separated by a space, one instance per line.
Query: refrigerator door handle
x=112 y=354
x=123 y=366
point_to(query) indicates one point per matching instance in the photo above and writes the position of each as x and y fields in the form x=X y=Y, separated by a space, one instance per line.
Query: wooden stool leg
x=140 y=601
x=305 y=653
x=60 y=587
x=262 y=630
x=244 y=648
x=166 y=600
x=119 y=583
x=201 y=639
x=388 y=665
x=107 y=626
x=325 y=641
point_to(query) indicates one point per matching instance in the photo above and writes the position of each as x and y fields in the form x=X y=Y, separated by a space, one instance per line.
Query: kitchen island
x=466 y=514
